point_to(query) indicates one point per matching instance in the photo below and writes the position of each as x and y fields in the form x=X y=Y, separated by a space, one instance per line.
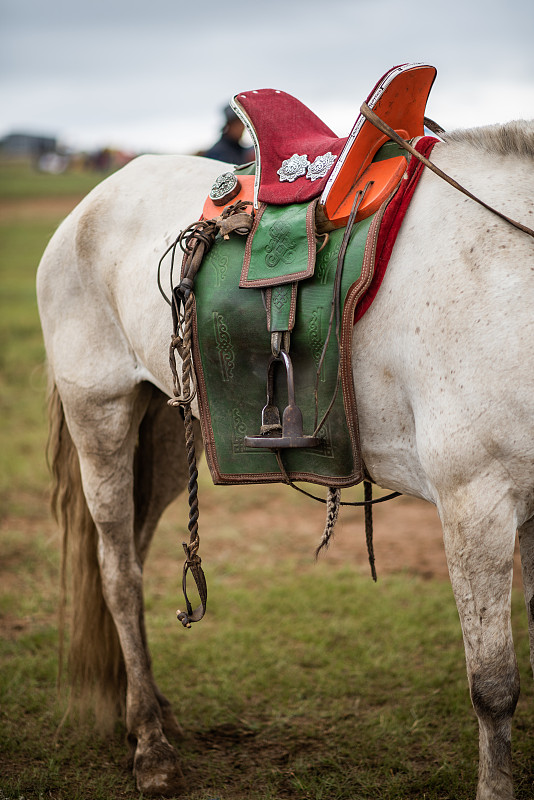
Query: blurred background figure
x=228 y=147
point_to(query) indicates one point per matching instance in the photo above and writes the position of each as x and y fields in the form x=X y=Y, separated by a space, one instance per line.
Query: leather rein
x=385 y=128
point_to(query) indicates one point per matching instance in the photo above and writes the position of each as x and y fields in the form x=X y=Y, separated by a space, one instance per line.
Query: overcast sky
x=153 y=75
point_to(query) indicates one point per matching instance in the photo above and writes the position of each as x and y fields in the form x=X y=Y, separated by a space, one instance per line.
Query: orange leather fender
x=402 y=105
x=385 y=177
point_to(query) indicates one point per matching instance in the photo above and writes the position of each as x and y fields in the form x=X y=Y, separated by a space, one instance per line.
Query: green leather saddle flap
x=232 y=347
x=281 y=246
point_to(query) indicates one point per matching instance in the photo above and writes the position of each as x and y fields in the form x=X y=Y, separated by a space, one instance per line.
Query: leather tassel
x=333 y=500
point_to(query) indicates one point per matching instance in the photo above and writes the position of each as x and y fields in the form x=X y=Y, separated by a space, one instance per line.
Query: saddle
x=299 y=158
x=306 y=182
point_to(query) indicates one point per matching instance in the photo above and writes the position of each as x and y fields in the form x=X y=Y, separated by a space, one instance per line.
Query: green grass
x=279 y=698
x=22 y=362
x=305 y=681
x=19 y=180
x=23 y=379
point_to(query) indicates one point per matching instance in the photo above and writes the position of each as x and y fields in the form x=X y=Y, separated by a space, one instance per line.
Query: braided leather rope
x=195 y=241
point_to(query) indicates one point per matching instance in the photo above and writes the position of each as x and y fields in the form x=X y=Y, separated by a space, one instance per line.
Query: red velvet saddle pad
x=282 y=128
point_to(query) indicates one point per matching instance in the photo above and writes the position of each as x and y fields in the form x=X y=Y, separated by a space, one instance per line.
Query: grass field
x=279 y=696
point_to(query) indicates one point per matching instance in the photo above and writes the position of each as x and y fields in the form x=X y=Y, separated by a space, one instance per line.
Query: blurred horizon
x=155 y=77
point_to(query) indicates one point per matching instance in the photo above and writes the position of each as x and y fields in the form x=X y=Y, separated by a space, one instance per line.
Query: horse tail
x=96 y=670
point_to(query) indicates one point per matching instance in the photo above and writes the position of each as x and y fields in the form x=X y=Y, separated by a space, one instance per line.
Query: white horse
x=444 y=377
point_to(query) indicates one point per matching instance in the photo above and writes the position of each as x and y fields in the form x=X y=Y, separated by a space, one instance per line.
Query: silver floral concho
x=298 y=166
x=293 y=168
x=320 y=166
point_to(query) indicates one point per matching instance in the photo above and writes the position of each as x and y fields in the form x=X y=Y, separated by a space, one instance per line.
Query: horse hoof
x=158 y=773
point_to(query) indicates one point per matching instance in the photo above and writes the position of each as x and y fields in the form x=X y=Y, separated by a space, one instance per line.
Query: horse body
x=443 y=364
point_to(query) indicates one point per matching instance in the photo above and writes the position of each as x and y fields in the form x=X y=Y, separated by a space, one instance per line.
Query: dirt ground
x=17 y=209
x=267 y=523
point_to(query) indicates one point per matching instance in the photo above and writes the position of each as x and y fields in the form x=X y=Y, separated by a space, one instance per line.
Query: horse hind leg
x=104 y=432
x=161 y=474
x=161 y=468
x=526 y=546
x=479 y=544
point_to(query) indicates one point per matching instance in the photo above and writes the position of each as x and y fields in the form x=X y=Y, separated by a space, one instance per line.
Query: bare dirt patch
x=266 y=524
x=18 y=209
